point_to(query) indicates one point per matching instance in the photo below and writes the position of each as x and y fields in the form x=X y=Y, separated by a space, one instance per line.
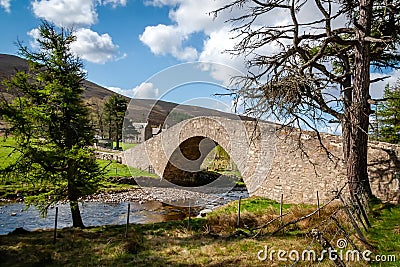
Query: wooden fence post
x=355 y=225
x=188 y=226
x=327 y=247
x=363 y=213
x=238 y=214
x=55 y=226
x=319 y=211
x=127 y=220
x=281 y=210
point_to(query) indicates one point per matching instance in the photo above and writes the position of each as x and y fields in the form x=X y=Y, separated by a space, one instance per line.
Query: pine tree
x=114 y=109
x=51 y=123
x=388 y=115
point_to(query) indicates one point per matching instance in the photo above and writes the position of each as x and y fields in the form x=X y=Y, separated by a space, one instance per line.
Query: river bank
x=110 y=208
x=125 y=188
x=211 y=241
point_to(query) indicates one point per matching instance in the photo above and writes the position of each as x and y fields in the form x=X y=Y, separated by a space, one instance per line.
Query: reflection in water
x=15 y=215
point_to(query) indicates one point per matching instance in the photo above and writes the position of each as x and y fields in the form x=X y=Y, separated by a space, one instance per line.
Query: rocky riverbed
x=173 y=196
x=151 y=189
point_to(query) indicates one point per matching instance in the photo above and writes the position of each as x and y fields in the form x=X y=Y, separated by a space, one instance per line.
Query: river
x=96 y=213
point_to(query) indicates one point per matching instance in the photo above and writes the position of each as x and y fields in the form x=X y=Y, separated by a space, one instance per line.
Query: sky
x=126 y=43
x=130 y=46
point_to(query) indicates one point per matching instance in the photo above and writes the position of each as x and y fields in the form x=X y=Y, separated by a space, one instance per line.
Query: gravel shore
x=172 y=196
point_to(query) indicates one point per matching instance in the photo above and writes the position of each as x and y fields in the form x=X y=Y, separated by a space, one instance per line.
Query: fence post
x=354 y=223
x=127 y=220
x=344 y=232
x=238 y=214
x=363 y=213
x=328 y=247
x=188 y=226
x=319 y=211
x=281 y=210
x=55 y=226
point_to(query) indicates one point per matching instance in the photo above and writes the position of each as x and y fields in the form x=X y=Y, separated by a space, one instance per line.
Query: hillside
x=9 y=65
x=142 y=109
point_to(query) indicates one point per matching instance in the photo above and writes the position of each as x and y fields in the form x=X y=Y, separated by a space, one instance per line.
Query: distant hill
x=9 y=65
x=142 y=109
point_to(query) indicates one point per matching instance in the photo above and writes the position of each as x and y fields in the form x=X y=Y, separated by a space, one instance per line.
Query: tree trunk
x=359 y=109
x=109 y=131
x=346 y=123
x=73 y=203
x=117 y=135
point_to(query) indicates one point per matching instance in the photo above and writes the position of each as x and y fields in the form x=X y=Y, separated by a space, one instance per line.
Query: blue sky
x=127 y=44
x=124 y=43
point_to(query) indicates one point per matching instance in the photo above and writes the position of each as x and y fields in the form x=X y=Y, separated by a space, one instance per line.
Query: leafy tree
x=114 y=109
x=51 y=123
x=388 y=114
x=318 y=70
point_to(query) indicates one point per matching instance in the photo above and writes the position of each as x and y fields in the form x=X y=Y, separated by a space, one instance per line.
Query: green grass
x=123 y=145
x=5 y=151
x=172 y=244
x=385 y=231
x=256 y=205
x=126 y=146
x=117 y=169
x=13 y=187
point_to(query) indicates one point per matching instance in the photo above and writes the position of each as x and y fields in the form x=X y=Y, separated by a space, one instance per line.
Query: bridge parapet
x=270 y=162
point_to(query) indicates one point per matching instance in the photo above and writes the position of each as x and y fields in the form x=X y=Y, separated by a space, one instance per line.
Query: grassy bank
x=210 y=242
x=114 y=169
x=13 y=187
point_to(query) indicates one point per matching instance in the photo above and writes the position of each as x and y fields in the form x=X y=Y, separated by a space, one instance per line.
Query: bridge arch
x=268 y=174
x=179 y=151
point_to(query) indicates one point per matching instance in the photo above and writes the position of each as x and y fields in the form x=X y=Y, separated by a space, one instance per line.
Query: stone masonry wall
x=271 y=164
x=299 y=178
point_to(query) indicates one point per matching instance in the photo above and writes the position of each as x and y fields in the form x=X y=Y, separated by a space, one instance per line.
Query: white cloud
x=114 y=3
x=89 y=45
x=94 y=47
x=189 y=17
x=193 y=16
x=160 y=3
x=6 y=5
x=145 y=90
x=66 y=13
x=167 y=39
x=214 y=51
x=118 y=90
x=34 y=33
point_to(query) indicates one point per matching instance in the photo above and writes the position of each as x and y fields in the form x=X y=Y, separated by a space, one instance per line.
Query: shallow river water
x=15 y=215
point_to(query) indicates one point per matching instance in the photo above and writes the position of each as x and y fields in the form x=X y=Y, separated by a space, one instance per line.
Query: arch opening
x=199 y=161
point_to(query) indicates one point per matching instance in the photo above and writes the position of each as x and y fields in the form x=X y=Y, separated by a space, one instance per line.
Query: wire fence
x=340 y=235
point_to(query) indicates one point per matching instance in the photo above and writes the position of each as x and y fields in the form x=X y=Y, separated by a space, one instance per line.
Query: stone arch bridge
x=270 y=162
